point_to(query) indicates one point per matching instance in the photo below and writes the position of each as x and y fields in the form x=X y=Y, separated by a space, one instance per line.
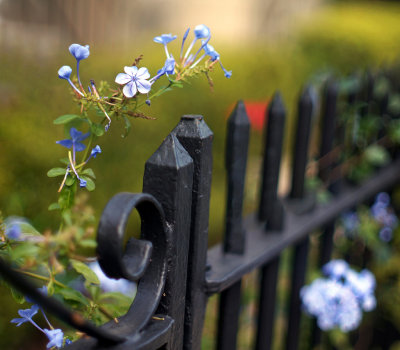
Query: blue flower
x=55 y=336
x=339 y=300
x=350 y=222
x=135 y=80
x=82 y=182
x=75 y=140
x=227 y=73
x=215 y=56
x=332 y=303
x=336 y=269
x=13 y=231
x=64 y=73
x=165 y=39
x=384 y=215
x=363 y=285
x=183 y=40
x=26 y=315
x=386 y=234
x=75 y=143
x=168 y=68
x=79 y=52
x=95 y=151
x=201 y=31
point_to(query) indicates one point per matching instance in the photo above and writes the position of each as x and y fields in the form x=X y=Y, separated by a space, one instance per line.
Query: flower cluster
x=138 y=80
x=55 y=336
x=381 y=213
x=76 y=145
x=384 y=215
x=124 y=103
x=339 y=300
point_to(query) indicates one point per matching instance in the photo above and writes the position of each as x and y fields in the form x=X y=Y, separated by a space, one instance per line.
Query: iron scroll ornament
x=140 y=256
x=144 y=260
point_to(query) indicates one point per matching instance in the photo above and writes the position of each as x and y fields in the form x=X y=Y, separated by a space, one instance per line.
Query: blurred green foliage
x=341 y=39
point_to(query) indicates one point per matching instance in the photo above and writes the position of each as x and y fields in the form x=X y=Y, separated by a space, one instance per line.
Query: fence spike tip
x=239 y=115
x=277 y=106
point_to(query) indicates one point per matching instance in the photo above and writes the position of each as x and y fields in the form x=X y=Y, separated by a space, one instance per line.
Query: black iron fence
x=175 y=270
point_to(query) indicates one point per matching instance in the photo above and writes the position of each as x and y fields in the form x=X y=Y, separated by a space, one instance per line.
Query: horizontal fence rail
x=226 y=269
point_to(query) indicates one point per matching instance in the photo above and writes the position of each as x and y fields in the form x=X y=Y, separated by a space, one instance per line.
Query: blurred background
x=268 y=44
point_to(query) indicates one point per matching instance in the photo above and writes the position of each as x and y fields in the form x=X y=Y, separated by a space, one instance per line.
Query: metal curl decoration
x=146 y=255
x=144 y=260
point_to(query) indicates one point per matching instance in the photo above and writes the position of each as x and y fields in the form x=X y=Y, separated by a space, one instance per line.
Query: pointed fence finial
x=270 y=208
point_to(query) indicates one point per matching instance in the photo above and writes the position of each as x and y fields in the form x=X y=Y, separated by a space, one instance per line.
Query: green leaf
x=17 y=296
x=28 y=229
x=128 y=125
x=66 y=118
x=178 y=85
x=70 y=180
x=85 y=270
x=54 y=206
x=24 y=250
x=56 y=172
x=71 y=294
x=115 y=297
x=377 y=155
x=88 y=243
x=97 y=129
x=90 y=185
x=65 y=160
x=66 y=198
x=394 y=103
x=89 y=172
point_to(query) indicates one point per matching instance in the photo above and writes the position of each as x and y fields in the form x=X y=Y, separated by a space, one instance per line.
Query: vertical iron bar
x=328 y=128
x=195 y=136
x=271 y=210
x=299 y=268
x=299 y=265
x=168 y=177
x=228 y=321
x=300 y=152
x=236 y=160
x=327 y=142
x=266 y=308
x=234 y=242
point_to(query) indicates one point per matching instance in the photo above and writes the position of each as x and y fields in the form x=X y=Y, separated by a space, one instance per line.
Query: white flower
x=135 y=79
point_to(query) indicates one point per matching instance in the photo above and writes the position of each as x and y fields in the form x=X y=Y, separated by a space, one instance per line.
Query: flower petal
x=201 y=31
x=82 y=137
x=64 y=72
x=129 y=90
x=65 y=143
x=143 y=86
x=79 y=147
x=123 y=78
x=143 y=73
x=132 y=71
x=79 y=52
